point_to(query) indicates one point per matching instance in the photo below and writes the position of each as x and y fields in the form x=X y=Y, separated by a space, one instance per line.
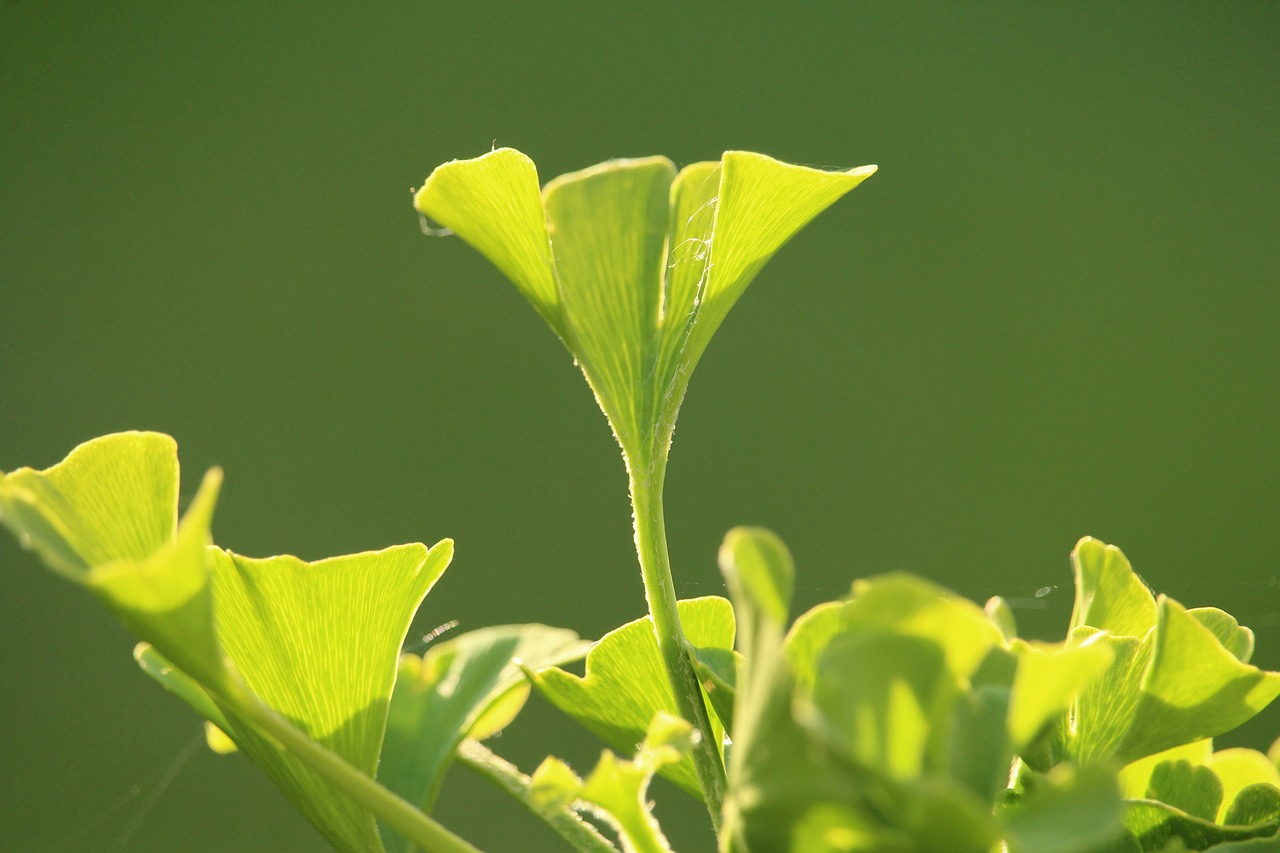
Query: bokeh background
x=1054 y=312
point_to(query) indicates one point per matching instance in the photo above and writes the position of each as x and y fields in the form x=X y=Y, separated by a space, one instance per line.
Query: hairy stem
x=411 y=823
x=584 y=837
x=655 y=568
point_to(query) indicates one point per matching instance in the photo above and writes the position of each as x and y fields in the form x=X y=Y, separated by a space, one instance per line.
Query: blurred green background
x=1053 y=313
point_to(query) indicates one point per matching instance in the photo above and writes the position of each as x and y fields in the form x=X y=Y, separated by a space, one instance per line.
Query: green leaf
x=761 y=567
x=1155 y=825
x=1001 y=614
x=1176 y=676
x=112 y=498
x=632 y=265
x=617 y=788
x=1174 y=708
x=762 y=203
x=876 y=697
x=1048 y=678
x=318 y=642
x=293 y=661
x=1237 y=770
x=809 y=635
x=493 y=202
x=1109 y=594
x=440 y=697
x=609 y=227
x=104 y=518
x=1233 y=636
x=910 y=606
x=1135 y=778
x=717 y=670
x=1071 y=813
x=625 y=684
x=1194 y=790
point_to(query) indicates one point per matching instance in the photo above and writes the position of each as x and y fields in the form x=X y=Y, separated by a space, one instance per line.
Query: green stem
x=584 y=837
x=655 y=568
x=411 y=823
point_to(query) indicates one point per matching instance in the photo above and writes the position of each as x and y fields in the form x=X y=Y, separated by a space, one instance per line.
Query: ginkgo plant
x=900 y=717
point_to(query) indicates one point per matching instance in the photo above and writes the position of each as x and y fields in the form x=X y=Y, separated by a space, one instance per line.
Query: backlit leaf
x=624 y=685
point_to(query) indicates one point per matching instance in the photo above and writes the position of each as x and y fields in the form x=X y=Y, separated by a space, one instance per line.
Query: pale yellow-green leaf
x=608 y=227
x=1047 y=678
x=625 y=685
x=112 y=498
x=1135 y=778
x=808 y=636
x=1109 y=594
x=494 y=203
x=761 y=205
x=910 y=606
x=1234 y=637
x=1194 y=687
x=319 y=643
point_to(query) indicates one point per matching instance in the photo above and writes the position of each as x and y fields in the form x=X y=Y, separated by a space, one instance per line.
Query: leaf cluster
x=900 y=718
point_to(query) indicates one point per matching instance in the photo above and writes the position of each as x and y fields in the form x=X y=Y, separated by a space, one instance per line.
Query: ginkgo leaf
x=1073 y=812
x=625 y=685
x=808 y=636
x=441 y=696
x=494 y=203
x=1176 y=676
x=293 y=661
x=112 y=498
x=104 y=517
x=616 y=788
x=319 y=642
x=608 y=231
x=633 y=265
x=1109 y=594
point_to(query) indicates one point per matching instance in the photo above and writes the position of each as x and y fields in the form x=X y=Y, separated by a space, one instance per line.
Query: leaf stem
x=584 y=837
x=411 y=823
x=655 y=568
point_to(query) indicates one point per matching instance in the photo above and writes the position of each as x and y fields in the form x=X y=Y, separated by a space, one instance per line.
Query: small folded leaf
x=616 y=788
x=625 y=683
x=1234 y=637
x=761 y=566
x=999 y=611
x=441 y=696
x=619 y=787
x=717 y=670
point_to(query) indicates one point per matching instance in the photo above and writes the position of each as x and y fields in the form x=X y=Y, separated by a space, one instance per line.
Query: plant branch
x=655 y=568
x=584 y=837
x=410 y=822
